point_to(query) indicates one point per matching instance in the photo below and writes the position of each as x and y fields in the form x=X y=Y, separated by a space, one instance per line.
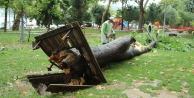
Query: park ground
x=157 y=74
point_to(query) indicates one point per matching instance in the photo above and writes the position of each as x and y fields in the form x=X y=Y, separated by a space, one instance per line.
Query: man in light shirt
x=107 y=32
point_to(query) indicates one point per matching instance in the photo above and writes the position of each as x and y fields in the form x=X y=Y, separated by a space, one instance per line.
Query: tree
x=79 y=9
x=131 y=13
x=17 y=6
x=172 y=17
x=141 y=16
x=48 y=11
x=183 y=11
x=183 y=7
x=64 y=6
x=192 y=23
x=5 y=4
x=97 y=11
x=6 y=7
x=167 y=3
x=79 y=4
x=153 y=13
x=142 y=6
x=190 y=5
x=106 y=11
x=87 y=17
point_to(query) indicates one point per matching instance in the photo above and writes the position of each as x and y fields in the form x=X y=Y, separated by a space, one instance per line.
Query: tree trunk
x=5 y=22
x=80 y=12
x=145 y=4
x=141 y=16
x=107 y=52
x=119 y=50
x=134 y=51
x=105 y=12
x=16 y=22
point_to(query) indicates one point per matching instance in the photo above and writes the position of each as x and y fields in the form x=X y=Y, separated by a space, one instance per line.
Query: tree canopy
x=47 y=12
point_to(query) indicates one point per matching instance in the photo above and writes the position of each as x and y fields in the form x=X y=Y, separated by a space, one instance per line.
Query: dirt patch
x=91 y=34
x=116 y=86
x=22 y=86
x=135 y=92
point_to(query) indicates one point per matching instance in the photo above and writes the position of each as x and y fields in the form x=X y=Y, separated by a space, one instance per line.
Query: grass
x=172 y=68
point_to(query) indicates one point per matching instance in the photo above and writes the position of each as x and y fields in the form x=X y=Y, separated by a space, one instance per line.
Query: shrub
x=174 y=43
x=180 y=31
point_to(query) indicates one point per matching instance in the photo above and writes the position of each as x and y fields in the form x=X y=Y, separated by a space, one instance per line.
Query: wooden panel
x=52 y=40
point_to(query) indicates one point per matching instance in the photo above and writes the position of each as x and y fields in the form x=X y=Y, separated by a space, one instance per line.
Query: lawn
x=162 y=72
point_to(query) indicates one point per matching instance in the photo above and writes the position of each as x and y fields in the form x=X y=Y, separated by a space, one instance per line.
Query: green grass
x=173 y=69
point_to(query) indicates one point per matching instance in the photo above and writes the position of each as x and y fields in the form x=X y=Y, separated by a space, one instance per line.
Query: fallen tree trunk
x=134 y=51
x=105 y=53
x=119 y=50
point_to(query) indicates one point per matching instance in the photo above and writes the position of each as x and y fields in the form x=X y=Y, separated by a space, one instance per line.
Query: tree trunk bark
x=119 y=50
x=105 y=53
x=5 y=22
x=105 y=12
x=141 y=16
x=16 y=22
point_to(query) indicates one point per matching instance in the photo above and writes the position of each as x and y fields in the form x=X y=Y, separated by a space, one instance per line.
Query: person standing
x=148 y=27
x=107 y=31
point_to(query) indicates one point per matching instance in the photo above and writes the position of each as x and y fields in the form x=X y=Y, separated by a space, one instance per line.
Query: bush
x=143 y=38
x=165 y=42
x=180 y=31
x=174 y=43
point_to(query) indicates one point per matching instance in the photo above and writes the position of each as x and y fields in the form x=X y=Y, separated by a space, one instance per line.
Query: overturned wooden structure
x=68 y=37
x=92 y=58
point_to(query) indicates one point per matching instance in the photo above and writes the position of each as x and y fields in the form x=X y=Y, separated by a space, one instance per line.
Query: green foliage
x=78 y=4
x=97 y=11
x=87 y=17
x=131 y=13
x=3 y=3
x=190 y=5
x=153 y=13
x=192 y=23
x=185 y=15
x=142 y=38
x=172 y=16
x=174 y=44
x=47 y=12
x=183 y=7
x=166 y=42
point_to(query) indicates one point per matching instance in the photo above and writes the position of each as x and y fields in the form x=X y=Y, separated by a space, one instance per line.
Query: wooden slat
x=60 y=87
